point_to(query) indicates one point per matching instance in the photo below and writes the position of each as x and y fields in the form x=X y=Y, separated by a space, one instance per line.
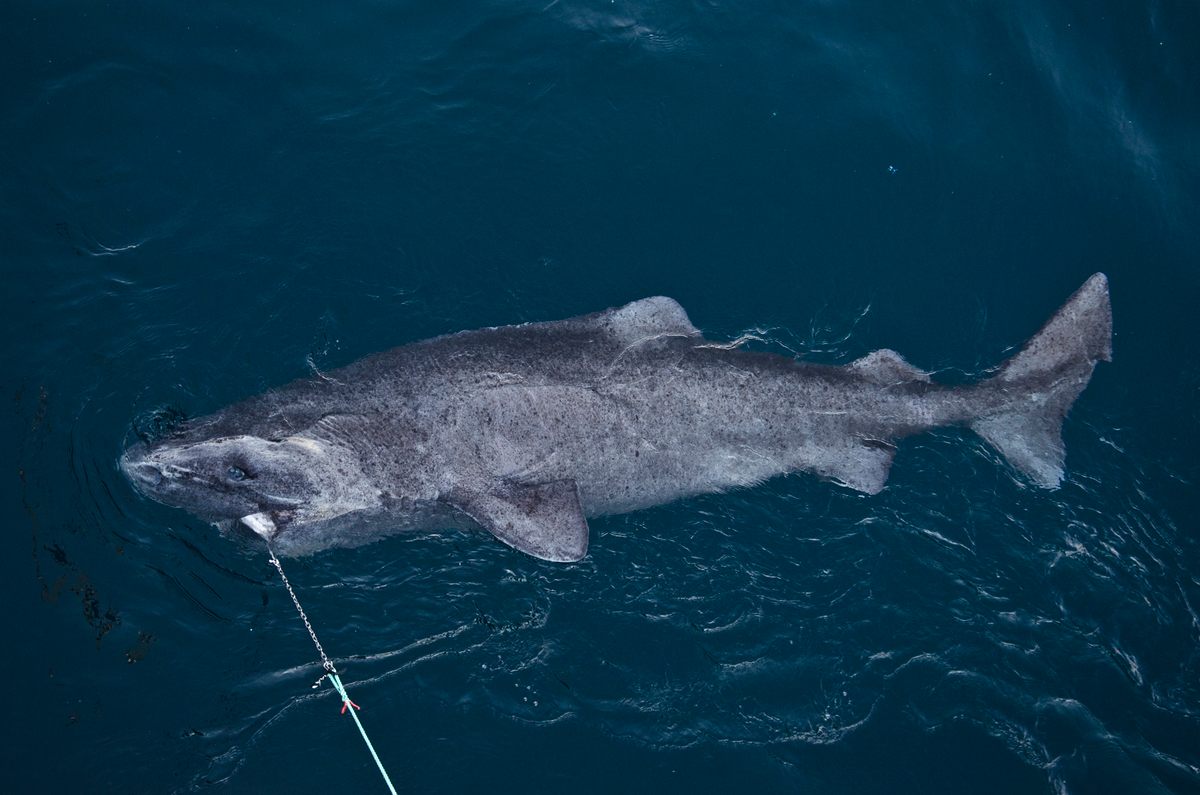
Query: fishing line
x=331 y=672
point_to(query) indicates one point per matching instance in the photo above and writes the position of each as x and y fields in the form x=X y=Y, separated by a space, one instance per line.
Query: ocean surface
x=201 y=201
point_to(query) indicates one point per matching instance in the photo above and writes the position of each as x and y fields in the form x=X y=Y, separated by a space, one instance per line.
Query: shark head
x=230 y=478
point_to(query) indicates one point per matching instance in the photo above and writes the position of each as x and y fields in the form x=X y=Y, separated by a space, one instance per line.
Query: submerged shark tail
x=1044 y=380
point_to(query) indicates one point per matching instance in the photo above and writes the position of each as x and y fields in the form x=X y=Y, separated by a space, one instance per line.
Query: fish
x=528 y=430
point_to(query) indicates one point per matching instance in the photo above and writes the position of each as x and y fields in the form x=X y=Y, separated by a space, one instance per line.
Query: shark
x=528 y=430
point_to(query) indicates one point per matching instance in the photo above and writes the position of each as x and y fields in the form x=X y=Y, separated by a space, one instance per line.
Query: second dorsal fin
x=887 y=367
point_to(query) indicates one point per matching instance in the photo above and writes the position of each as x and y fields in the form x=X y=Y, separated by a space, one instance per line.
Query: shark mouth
x=263 y=524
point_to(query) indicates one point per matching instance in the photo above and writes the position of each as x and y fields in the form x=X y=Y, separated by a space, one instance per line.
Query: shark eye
x=236 y=473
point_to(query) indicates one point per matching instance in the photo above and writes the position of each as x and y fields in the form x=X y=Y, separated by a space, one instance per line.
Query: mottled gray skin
x=526 y=430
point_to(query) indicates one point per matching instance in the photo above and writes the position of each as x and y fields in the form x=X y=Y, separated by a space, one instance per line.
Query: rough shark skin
x=526 y=430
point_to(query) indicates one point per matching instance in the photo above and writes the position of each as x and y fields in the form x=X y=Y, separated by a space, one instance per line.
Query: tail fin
x=1044 y=379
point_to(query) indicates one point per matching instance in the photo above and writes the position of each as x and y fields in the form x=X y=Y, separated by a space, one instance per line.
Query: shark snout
x=143 y=473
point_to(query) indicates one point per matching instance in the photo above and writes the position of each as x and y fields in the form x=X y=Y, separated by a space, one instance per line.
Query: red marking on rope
x=348 y=703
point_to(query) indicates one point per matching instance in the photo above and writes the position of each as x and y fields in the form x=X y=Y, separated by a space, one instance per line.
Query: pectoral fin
x=545 y=521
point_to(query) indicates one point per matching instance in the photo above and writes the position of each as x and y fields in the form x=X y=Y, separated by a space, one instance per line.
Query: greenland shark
x=528 y=430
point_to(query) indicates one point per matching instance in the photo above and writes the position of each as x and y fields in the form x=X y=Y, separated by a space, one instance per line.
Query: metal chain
x=331 y=673
x=325 y=662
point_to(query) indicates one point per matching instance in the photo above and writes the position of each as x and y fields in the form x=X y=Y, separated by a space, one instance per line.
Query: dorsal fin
x=886 y=367
x=648 y=318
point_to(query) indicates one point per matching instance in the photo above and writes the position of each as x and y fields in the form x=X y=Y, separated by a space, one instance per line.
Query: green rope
x=331 y=672
x=352 y=708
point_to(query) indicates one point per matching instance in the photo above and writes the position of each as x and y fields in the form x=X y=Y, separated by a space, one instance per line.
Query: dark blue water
x=200 y=201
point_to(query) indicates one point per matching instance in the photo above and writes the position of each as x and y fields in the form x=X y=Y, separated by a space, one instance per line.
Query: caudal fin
x=1043 y=381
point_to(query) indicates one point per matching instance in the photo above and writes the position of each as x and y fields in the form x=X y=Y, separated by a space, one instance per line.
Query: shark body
x=528 y=430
